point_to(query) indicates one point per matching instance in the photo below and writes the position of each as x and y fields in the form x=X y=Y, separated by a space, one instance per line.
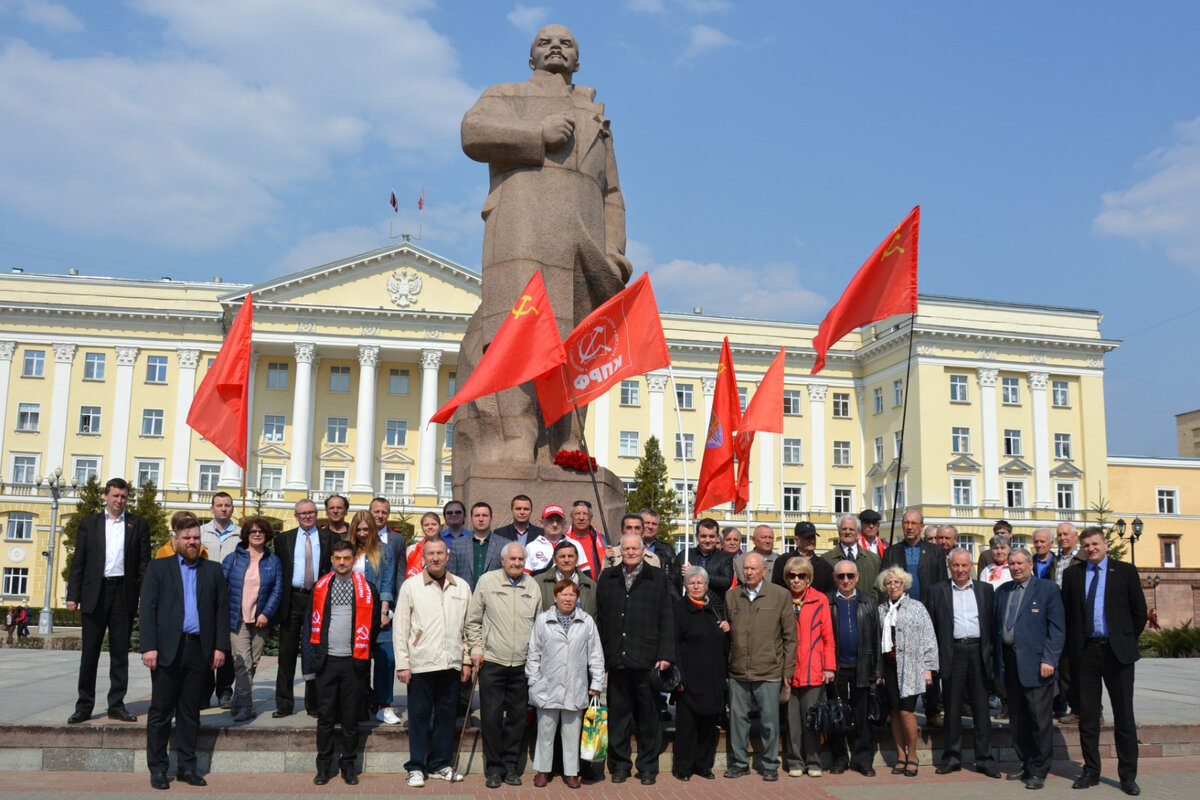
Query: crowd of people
x=550 y=618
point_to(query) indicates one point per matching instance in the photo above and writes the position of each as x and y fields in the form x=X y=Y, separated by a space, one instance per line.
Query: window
x=791 y=402
x=1062 y=445
x=35 y=364
x=148 y=471
x=1064 y=495
x=85 y=468
x=397 y=432
x=841 y=453
x=685 y=491
x=877 y=400
x=207 y=477
x=398 y=381
x=880 y=496
x=1010 y=391
x=878 y=449
x=270 y=478
x=793 y=451
x=448 y=441
x=156 y=369
x=683 y=396
x=900 y=495
x=961 y=491
x=630 y=485
x=152 y=422
x=1168 y=501
x=28 y=415
x=897 y=393
x=335 y=430
x=629 y=444
x=447 y=488
x=1012 y=442
x=967 y=543
x=960 y=440
x=1060 y=395
x=841 y=405
x=1014 y=494
x=24 y=469
x=741 y=390
x=333 y=481
x=277 y=375
x=93 y=366
x=273 y=427
x=897 y=443
x=958 y=389
x=685 y=446
x=451 y=383
x=89 y=419
x=629 y=393
x=16 y=581
x=843 y=497
x=793 y=499
x=1170 y=551
x=394 y=483
x=20 y=527
x=339 y=379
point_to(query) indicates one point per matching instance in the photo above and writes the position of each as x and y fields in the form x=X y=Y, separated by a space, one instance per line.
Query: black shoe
x=680 y=776
x=868 y=772
x=1035 y=782
x=279 y=713
x=160 y=781
x=191 y=778
x=322 y=778
x=770 y=775
x=512 y=779
x=493 y=781
x=350 y=777
x=736 y=772
x=647 y=780
x=837 y=769
x=226 y=700
x=1131 y=788
x=121 y=715
x=991 y=772
x=1085 y=781
x=1017 y=776
x=78 y=717
x=707 y=775
x=946 y=769
x=619 y=777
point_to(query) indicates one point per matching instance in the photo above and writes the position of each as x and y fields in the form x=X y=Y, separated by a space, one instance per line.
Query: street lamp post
x=1134 y=535
x=56 y=485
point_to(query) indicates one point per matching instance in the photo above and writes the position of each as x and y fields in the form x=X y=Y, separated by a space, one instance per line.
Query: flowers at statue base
x=575 y=459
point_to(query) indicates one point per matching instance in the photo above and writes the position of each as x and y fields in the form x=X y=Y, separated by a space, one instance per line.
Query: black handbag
x=830 y=715
x=876 y=714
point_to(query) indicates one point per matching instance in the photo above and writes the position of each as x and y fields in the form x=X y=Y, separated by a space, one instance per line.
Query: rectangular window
x=791 y=403
x=960 y=440
x=878 y=449
x=629 y=393
x=89 y=419
x=85 y=468
x=24 y=469
x=958 y=389
x=897 y=442
x=207 y=477
x=841 y=453
x=273 y=425
x=333 y=481
x=93 y=366
x=1012 y=442
x=793 y=451
x=1010 y=391
x=398 y=381
x=152 y=422
x=270 y=478
x=900 y=496
x=961 y=491
x=841 y=405
x=877 y=400
x=880 y=498
x=897 y=393
x=448 y=441
x=630 y=485
x=277 y=375
x=685 y=446
x=629 y=444
x=156 y=369
x=843 y=498
x=1170 y=551
x=1014 y=494
x=20 y=527
x=16 y=581
x=1168 y=501
x=395 y=484
x=447 y=488
x=1060 y=394
x=335 y=430
x=967 y=543
x=339 y=379
x=451 y=384
x=397 y=433
x=683 y=396
x=1062 y=446
x=793 y=499
x=35 y=364
x=741 y=390
x=1064 y=496
x=148 y=471
x=28 y=416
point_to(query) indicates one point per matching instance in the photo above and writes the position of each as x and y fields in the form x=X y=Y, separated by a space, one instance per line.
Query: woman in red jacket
x=816 y=665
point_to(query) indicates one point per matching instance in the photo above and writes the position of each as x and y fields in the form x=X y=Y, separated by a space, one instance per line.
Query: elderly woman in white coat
x=564 y=667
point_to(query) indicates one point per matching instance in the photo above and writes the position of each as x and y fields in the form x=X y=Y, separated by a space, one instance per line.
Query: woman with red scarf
x=702 y=642
x=816 y=665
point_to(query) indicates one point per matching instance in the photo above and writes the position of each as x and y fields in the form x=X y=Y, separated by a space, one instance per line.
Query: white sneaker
x=387 y=716
x=795 y=773
x=814 y=772
x=416 y=778
x=447 y=773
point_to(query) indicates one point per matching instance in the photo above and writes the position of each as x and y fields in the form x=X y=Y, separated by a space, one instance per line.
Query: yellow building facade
x=1005 y=416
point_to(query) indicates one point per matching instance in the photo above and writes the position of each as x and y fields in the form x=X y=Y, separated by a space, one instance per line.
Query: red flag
x=622 y=337
x=527 y=345
x=763 y=413
x=395 y=205
x=219 y=408
x=885 y=285
x=421 y=200
x=716 y=484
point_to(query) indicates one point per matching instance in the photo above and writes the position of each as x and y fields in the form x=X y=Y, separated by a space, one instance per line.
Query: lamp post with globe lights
x=56 y=486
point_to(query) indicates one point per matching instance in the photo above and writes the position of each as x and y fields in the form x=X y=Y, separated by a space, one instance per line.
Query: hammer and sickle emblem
x=522 y=308
x=895 y=248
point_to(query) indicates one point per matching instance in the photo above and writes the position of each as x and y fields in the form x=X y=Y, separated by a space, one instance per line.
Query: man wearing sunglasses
x=855 y=636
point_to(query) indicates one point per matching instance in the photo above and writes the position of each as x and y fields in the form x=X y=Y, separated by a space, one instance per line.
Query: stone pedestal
x=496 y=484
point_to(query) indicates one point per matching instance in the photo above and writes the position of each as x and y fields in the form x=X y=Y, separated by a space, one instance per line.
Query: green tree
x=1101 y=515
x=654 y=491
x=145 y=505
x=91 y=501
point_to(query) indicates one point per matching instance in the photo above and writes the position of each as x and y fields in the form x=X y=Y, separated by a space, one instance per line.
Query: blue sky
x=764 y=148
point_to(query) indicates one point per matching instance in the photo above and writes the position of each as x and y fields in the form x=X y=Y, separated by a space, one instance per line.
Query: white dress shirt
x=966 y=611
x=114 y=546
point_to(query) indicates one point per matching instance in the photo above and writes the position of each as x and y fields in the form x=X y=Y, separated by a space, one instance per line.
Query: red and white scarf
x=364 y=601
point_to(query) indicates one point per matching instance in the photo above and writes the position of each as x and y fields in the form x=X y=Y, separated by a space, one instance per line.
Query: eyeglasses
x=306 y=513
x=457 y=513
x=845 y=576
x=259 y=531
x=792 y=576
x=341 y=558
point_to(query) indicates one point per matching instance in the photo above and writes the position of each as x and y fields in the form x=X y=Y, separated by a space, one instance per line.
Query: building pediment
x=272 y=451
x=395 y=458
x=335 y=454
x=876 y=471
x=1016 y=467
x=1066 y=470
x=963 y=464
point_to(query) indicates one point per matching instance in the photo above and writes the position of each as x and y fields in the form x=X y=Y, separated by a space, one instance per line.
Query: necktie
x=309 y=576
x=1089 y=605
x=1014 y=603
x=850 y=553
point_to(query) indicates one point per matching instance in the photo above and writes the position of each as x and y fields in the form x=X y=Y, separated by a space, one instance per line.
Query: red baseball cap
x=551 y=510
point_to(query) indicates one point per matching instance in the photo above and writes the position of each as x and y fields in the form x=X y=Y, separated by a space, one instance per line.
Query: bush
x=1181 y=642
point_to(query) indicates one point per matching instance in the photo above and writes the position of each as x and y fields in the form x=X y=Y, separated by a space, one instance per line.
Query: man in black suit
x=708 y=554
x=112 y=549
x=806 y=547
x=471 y=556
x=663 y=550
x=304 y=551
x=520 y=530
x=184 y=634
x=963 y=613
x=855 y=619
x=1106 y=612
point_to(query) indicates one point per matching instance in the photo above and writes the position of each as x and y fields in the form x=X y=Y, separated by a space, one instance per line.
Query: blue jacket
x=1039 y=633
x=384 y=578
x=270 y=590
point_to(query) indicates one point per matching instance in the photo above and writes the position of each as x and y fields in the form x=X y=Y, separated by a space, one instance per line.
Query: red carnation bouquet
x=575 y=459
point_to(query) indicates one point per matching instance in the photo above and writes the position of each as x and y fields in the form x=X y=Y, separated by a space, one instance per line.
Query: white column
x=122 y=398
x=6 y=354
x=186 y=391
x=364 y=435
x=1042 y=456
x=64 y=356
x=300 y=465
x=657 y=385
x=427 y=438
x=860 y=394
x=991 y=440
x=765 y=442
x=600 y=432
x=816 y=450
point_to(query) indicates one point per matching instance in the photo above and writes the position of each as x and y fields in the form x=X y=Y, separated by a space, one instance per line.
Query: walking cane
x=466 y=718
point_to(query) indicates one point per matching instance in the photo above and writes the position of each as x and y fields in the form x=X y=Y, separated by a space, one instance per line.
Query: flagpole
x=912 y=334
x=687 y=516
x=583 y=446
x=782 y=523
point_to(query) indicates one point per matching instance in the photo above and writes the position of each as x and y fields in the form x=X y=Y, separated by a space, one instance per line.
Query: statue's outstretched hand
x=556 y=130
x=621 y=265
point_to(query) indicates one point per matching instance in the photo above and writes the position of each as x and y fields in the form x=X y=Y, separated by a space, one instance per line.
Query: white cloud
x=1164 y=208
x=528 y=18
x=703 y=39
x=51 y=16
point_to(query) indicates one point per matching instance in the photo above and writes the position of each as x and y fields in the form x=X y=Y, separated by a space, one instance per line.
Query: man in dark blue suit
x=1030 y=630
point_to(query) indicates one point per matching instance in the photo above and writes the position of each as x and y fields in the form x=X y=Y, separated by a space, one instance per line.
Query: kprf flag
x=885 y=285
x=717 y=484
x=622 y=337
x=763 y=413
x=526 y=345
x=219 y=409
